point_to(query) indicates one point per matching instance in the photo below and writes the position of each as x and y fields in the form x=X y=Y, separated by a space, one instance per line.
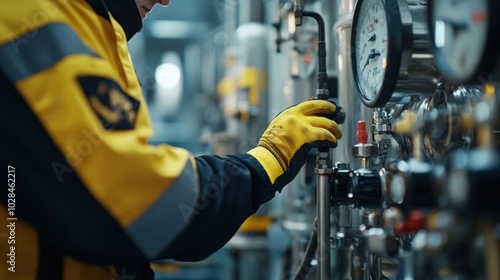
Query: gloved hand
x=284 y=146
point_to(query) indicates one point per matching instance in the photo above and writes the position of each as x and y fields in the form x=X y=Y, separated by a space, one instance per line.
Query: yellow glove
x=284 y=146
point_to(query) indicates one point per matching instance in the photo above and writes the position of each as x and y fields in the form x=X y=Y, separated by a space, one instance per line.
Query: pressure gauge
x=391 y=54
x=371 y=50
x=464 y=37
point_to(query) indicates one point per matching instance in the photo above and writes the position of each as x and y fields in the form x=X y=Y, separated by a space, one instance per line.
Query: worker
x=87 y=197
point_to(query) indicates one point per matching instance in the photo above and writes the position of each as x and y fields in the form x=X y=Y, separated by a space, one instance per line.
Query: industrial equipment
x=391 y=51
x=411 y=201
x=410 y=190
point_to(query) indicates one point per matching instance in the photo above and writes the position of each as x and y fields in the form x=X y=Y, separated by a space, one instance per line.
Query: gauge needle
x=366 y=64
x=372 y=38
x=371 y=56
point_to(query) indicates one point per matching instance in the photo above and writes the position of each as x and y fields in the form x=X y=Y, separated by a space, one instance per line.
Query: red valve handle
x=362 y=134
x=415 y=222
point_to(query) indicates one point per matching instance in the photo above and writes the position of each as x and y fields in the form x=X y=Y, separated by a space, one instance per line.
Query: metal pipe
x=322 y=75
x=323 y=199
x=364 y=163
x=298 y=8
x=345 y=263
x=367 y=266
x=376 y=267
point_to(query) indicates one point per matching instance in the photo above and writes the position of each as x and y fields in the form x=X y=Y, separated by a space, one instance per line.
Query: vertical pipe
x=230 y=22
x=323 y=199
x=367 y=266
x=347 y=266
x=364 y=163
x=250 y=11
x=376 y=267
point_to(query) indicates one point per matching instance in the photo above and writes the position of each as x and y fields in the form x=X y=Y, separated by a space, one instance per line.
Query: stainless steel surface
x=349 y=218
x=323 y=172
x=364 y=150
x=418 y=74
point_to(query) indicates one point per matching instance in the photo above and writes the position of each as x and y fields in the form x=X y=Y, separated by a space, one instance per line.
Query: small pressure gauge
x=464 y=37
x=390 y=51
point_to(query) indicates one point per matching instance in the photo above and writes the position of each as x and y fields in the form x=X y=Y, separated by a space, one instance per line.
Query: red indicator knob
x=362 y=134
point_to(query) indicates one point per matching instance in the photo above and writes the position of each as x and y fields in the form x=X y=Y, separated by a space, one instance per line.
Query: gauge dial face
x=460 y=31
x=371 y=47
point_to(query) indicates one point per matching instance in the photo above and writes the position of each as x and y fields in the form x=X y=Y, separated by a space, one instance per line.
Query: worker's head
x=145 y=6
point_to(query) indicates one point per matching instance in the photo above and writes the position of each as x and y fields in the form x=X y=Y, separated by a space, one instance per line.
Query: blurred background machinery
x=411 y=190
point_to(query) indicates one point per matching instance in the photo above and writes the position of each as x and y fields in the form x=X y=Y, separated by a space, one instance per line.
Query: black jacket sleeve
x=231 y=189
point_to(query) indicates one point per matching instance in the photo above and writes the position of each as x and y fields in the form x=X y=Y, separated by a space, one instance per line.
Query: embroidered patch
x=116 y=109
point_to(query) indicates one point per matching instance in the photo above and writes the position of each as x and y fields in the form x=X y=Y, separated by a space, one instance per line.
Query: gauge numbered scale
x=391 y=53
x=465 y=37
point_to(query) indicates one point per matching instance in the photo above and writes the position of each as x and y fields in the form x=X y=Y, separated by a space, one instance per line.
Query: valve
x=362 y=135
x=416 y=185
x=361 y=188
x=363 y=150
x=414 y=223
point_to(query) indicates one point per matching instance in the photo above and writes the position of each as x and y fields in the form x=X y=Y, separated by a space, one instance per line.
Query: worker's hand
x=284 y=146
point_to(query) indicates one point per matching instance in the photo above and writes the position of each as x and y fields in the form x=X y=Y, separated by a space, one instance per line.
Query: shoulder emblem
x=115 y=108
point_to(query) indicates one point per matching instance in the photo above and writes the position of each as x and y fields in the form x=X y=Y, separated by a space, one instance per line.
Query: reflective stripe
x=167 y=218
x=38 y=50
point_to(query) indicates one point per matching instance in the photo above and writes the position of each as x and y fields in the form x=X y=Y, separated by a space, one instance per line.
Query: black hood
x=127 y=15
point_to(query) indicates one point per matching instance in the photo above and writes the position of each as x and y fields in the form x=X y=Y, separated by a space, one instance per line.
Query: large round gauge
x=464 y=35
x=376 y=47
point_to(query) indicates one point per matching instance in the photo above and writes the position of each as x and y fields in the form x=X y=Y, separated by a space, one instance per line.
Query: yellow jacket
x=88 y=197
